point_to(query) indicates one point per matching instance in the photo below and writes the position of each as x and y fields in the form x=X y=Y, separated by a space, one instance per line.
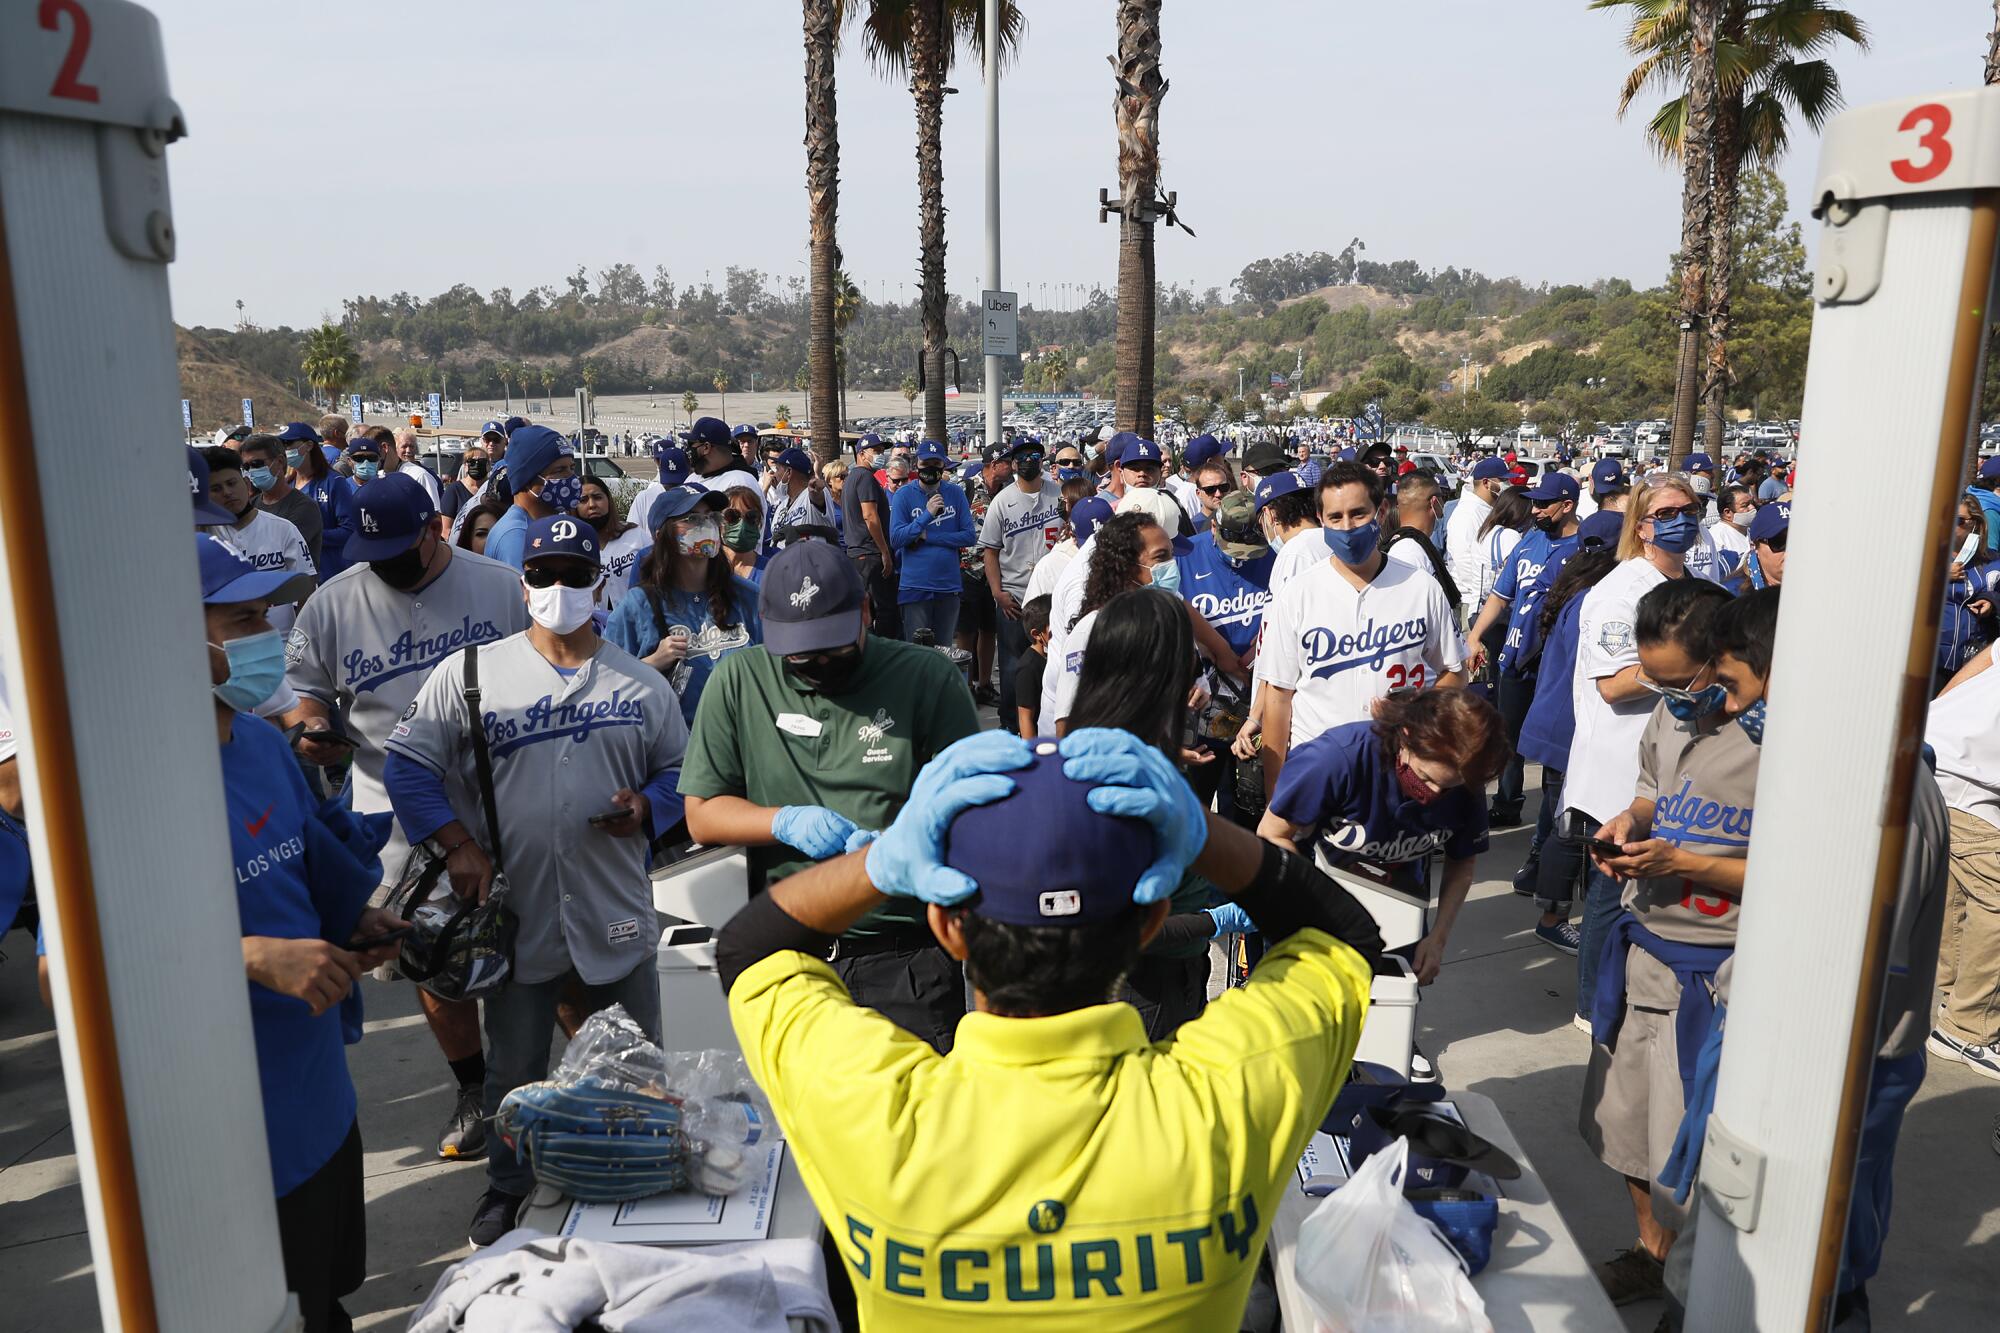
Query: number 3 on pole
x=1935 y=119
x=67 y=84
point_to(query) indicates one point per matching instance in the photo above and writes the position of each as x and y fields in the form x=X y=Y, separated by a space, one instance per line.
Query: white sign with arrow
x=1000 y=331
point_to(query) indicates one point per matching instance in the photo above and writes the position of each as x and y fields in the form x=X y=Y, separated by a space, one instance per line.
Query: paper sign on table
x=684 y=1218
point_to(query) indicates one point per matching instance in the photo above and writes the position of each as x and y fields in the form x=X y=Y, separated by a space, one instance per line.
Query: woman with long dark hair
x=1136 y=678
x=479 y=521
x=688 y=609
x=1132 y=551
x=620 y=545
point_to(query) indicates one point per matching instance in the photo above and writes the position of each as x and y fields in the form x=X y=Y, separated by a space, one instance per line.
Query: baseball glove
x=596 y=1142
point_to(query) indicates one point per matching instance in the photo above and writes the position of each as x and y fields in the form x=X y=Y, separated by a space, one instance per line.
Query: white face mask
x=558 y=609
x=1741 y=518
x=1702 y=484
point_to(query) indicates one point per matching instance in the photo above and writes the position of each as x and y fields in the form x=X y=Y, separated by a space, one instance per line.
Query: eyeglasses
x=569 y=575
x=1068 y=460
x=1217 y=491
x=1686 y=694
x=1777 y=543
x=1684 y=511
x=835 y=657
x=735 y=515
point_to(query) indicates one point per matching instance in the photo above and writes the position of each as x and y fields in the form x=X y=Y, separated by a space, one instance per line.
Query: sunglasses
x=846 y=654
x=570 y=576
x=1217 y=491
x=1068 y=460
x=1777 y=543
x=735 y=515
x=1684 y=511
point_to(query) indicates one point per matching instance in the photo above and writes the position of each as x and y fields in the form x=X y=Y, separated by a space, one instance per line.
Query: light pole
x=992 y=375
x=1239 y=381
x=1465 y=373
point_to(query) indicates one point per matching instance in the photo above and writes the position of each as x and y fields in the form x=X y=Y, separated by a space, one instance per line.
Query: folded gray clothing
x=528 y=1282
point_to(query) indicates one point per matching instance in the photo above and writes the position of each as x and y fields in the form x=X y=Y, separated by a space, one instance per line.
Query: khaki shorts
x=1632 y=1104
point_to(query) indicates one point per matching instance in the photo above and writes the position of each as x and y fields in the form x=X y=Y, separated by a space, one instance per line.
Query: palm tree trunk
x=1721 y=267
x=823 y=204
x=1697 y=204
x=927 y=39
x=1136 y=112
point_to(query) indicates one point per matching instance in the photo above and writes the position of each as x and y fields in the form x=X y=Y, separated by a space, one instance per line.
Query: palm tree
x=846 y=305
x=1136 y=110
x=1993 y=47
x=920 y=37
x=329 y=362
x=690 y=404
x=721 y=382
x=590 y=377
x=505 y=370
x=822 y=31
x=1768 y=66
x=910 y=397
x=548 y=378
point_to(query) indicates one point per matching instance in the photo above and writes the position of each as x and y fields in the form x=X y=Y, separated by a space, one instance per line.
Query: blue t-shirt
x=1528 y=572
x=1343 y=782
x=635 y=627
x=1961 y=634
x=1229 y=595
x=927 y=544
x=507 y=539
x=1551 y=721
x=309 y=1102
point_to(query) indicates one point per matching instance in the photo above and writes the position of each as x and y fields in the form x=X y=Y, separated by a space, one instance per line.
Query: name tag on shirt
x=798 y=724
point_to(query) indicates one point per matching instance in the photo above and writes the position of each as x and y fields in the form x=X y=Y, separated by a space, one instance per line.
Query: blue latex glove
x=1135 y=780
x=907 y=860
x=1230 y=919
x=813 y=829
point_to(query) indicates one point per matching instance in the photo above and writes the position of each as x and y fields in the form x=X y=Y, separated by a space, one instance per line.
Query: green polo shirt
x=760 y=735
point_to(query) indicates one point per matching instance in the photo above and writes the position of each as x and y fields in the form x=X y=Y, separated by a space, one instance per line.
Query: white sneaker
x=1981 y=1060
x=1580 y=1023
x=1421 y=1068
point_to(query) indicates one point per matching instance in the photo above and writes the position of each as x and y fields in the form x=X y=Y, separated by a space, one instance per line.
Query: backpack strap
x=1444 y=577
x=482 y=759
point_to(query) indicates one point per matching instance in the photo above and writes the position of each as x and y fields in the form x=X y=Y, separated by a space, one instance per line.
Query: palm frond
x=1809 y=87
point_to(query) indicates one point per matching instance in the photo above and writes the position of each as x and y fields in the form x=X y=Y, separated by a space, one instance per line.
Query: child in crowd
x=1028 y=678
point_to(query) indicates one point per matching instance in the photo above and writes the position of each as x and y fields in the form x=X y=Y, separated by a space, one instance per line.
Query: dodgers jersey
x=1529 y=571
x=1603 y=767
x=1339 y=648
x=1342 y=784
x=1023 y=526
x=1230 y=596
x=270 y=542
x=363 y=649
x=561 y=747
x=620 y=560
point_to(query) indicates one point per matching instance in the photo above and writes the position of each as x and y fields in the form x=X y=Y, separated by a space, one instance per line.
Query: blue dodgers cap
x=673 y=463
x=797 y=459
x=709 y=430
x=869 y=441
x=1115 y=447
x=206 y=511
x=1139 y=450
x=1990 y=469
x=930 y=451
x=1019 y=444
x=1771 y=520
x=228 y=576
x=740 y=429
x=1202 y=448
x=512 y=424
x=810 y=600
x=296 y=431
x=390 y=514
x=1552 y=486
x=1601 y=529
x=1086 y=515
x=1084 y=870
x=494 y=428
x=363 y=446
x=1347 y=455
x=1488 y=468
x=1278 y=484
x=1607 y=474
x=1698 y=462
x=560 y=535
x=680 y=501
x=530 y=450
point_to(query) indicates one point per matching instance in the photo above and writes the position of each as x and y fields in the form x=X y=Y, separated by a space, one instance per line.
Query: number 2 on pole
x=1936 y=120
x=67 y=84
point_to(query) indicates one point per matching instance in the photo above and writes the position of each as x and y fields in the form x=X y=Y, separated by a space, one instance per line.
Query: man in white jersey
x=1291 y=508
x=713 y=455
x=270 y=542
x=1464 y=553
x=1345 y=632
x=586 y=744
x=1023 y=523
x=361 y=650
x=673 y=465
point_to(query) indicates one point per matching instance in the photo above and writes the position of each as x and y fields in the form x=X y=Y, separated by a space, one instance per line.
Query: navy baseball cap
x=1552 y=486
x=390 y=515
x=673 y=463
x=295 y=431
x=709 y=430
x=1771 y=520
x=228 y=576
x=529 y=452
x=1020 y=444
x=682 y=500
x=1607 y=474
x=930 y=451
x=998 y=451
x=1083 y=874
x=1488 y=468
x=1990 y=469
x=1086 y=515
x=1698 y=462
x=1347 y=455
x=810 y=600
x=797 y=459
x=512 y=424
x=493 y=428
x=1278 y=484
x=1140 y=450
x=741 y=429
x=363 y=445
x=1115 y=447
x=869 y=441
x=1202 y=448
x=205 y=510
x=563 y=535
x=1601 y=529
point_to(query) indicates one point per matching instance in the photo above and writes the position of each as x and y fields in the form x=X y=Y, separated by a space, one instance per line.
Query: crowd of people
x=1218 y=682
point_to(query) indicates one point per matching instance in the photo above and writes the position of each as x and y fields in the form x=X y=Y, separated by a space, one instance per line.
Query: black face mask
x=1027 y=467
x=1549 y=524
x=930 y=476
x=475 y=468
x=402 y=572
x=827 y=673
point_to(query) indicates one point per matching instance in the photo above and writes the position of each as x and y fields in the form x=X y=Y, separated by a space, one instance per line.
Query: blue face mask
x=561 y=493
x=1752 y=721
x=1167 y=575
x=367 y=469
x=293 y=458
x=261 y=478
x=256 y=669
x=1692 y=706
x=1675 y=534
x=1353 y=546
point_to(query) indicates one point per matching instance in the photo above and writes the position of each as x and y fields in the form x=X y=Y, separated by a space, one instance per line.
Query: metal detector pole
x=1908 y=196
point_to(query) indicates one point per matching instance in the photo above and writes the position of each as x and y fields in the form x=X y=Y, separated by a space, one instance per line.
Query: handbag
x=458 y=950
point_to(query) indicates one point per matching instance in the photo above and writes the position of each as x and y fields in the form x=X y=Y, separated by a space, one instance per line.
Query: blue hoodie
x=928 y=544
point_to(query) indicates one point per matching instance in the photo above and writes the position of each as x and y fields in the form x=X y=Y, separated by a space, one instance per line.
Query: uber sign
x=998 y=328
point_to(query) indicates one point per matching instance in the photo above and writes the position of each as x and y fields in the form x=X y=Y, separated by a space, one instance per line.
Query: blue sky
x=371 y=147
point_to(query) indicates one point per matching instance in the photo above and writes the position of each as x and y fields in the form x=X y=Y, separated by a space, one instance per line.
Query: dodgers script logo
x=1686 y=816
x=367 y=671
x=563 y=530
x=803 y=598
x=871 y=733
x=1328 y=653
x=1240 y=607
x=572 y=719
x=1350 y=839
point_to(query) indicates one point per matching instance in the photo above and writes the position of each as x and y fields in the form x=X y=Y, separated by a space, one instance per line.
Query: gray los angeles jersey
x=560 y=749
x=1022 y=526
x=363 y=649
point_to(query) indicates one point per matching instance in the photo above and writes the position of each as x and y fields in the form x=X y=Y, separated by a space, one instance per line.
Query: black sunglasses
x=1777 y=543
x=1218 y=491
x=1685 y=511
x=735 y=515
x=570 y=576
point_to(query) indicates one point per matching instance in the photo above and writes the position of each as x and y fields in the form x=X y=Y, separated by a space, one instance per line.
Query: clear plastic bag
x=1369 y=1264
x=723 y=1111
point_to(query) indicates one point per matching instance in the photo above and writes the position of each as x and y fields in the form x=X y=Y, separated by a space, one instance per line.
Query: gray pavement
x=1496 y=1022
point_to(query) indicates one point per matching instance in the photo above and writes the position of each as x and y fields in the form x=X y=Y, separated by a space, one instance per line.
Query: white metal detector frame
x=1909 y=197
x=119 y=762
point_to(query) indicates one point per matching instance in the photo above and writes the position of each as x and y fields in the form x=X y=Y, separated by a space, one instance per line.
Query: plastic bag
x=1369 y=1264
